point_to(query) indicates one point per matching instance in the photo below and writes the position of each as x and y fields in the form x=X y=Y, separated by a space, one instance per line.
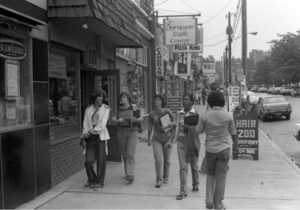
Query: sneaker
x=97 y=187
x=195 y=188
x=158 y=183
x=165 y=181
x=209 y=206
x=88 y=186
x=129 y=178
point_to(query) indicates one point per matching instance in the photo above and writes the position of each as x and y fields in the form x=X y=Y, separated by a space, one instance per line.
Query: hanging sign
x=180 y=31
x=197 y=48
x=240 y=75
x=11 y=49
x=246 y=124
x=209 y=68
x=159 y=62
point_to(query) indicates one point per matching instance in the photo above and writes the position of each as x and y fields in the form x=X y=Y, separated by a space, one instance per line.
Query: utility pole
x=229 y=32
x=244 y=37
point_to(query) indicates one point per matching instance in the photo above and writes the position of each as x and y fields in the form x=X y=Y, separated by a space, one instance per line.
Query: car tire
x=288 y=117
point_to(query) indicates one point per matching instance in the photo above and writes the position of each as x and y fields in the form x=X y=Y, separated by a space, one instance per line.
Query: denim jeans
x=127 y=138
x=204 y=165
x=217 y=164
x=183 y=171
x=161 y=155
x=96 y=152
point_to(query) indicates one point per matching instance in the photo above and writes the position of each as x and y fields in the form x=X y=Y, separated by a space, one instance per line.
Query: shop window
x=15 y=94
x=63 y=82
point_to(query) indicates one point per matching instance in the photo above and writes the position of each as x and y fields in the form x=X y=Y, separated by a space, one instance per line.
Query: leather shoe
x=195 y=188
x=181 y=196
x=209 y=206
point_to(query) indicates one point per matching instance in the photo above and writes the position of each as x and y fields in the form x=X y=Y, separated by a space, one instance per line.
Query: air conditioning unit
x=90 y=57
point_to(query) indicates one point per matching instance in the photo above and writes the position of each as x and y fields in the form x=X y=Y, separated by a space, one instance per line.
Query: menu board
x=12 y=79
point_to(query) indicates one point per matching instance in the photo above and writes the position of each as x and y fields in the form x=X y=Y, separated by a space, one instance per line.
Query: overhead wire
x=161 y=3
x=189 y=6
x=217 y=13
x=215 y=36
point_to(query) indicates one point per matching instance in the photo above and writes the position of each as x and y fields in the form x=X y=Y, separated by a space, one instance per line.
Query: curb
x=275 y=146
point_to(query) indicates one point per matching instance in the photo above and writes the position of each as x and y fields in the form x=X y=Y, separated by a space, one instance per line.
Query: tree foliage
x=283 y=62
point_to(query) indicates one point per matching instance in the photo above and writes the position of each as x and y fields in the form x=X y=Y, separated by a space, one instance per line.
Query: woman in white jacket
x=95 y=133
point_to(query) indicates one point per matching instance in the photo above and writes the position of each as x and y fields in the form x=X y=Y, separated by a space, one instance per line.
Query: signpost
x=246 y=124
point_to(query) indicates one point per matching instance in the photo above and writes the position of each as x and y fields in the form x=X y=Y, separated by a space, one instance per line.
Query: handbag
x=90 y=140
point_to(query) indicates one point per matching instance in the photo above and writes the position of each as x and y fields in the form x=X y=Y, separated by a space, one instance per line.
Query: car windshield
x=274 y=100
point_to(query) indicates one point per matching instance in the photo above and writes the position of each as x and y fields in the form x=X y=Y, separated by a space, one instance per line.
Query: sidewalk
x=272 y=182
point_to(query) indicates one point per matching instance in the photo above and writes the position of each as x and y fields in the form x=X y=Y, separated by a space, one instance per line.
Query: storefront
x=25 y=170
x=45 y=83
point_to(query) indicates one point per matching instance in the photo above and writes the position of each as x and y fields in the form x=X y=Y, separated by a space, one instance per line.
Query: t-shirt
x=154 y=120
x=126 y=115
x=217 y=125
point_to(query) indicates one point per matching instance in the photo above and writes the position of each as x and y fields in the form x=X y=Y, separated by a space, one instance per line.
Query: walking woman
x=95 y=134
x=127 y=133
x=187 y=153
x=161 y=136
x=217 y=125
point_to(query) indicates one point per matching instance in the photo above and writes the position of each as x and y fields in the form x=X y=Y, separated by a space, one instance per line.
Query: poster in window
x=10 y=110
x=12 y=79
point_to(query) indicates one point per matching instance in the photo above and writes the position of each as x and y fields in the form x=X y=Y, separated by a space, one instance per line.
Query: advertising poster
x=12 y=79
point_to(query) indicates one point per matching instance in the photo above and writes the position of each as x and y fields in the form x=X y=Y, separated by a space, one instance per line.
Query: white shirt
x=101 y=115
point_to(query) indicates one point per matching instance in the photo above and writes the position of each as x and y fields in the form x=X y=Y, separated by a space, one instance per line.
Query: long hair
x=162 y=98
x=97 y=93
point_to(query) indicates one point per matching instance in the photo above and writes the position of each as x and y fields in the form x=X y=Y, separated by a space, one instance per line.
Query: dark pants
x=203 y=100
x=217 y=164
x=96 y=152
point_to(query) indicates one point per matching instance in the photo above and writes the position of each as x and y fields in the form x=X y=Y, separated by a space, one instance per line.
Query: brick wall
x=66 y=160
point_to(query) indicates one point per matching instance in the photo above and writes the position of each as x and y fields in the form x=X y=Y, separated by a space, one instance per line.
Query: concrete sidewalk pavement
x=272 y=182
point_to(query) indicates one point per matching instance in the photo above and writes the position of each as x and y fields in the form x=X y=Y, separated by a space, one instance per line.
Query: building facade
x=53 y=54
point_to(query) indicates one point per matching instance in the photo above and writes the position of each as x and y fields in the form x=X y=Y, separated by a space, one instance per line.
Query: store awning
x=9 y=17
x=113 y=20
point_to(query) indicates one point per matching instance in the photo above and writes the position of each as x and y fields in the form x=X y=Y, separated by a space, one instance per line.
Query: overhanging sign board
x=209 y=68
x=246 y=124
x=197 y=48
x=159 y=62
x=180 y=31
x=240 y=75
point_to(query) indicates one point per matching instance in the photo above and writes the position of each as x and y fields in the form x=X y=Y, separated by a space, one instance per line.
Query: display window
x=63 y=82
x=15 y=93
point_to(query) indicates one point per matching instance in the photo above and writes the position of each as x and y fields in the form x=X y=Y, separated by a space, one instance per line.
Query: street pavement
x=272 y=182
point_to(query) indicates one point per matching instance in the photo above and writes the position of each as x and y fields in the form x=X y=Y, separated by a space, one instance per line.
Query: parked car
x=253 y=88
x=262 y=90
x=276 y=90
x=297 y=131
x=273 y=106
x=286 y=91
x=270 y=90
x=295 y=92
